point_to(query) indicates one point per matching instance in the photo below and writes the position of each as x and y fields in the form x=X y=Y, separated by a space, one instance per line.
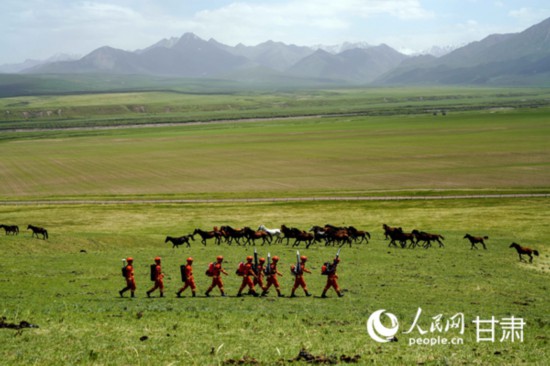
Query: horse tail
x=535 y=252
x=441 y=236
x=46 y=233
x=367 y=233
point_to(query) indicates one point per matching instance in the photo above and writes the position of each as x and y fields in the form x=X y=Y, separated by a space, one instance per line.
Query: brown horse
x=388 y=230
x=10 y=229
x=427 y=238
x=38 y=230
x=304 y=236
x=176 y=242
x=523 y=250
x=208 y=235
x=251 y=234
x=230 y=233
x=476 y=239
x=401 y=237
x=356 y=234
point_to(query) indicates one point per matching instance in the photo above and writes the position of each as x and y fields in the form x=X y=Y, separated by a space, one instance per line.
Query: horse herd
x=329 y=235
x=14 y=230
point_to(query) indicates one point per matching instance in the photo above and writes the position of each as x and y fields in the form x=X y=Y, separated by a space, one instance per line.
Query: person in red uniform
x=332 y=277
x=260 y=272
x=189 y=279
x=248 y=271
x=158 y=277
x=299 y=276
x=272 y=277
x=129 y=276
x=215 y=272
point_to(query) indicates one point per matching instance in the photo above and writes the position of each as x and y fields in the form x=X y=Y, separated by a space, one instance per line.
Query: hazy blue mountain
x=275 y=55
x=499 y=59
x=518 y=58
x=358 y=65
x=189 y=56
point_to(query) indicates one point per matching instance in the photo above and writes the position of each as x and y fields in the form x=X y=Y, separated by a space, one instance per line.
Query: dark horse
x=476 y=239
x=176 y=242
x=10 y=229
x=427 y=238
x=208 y=235
x=523 y=250
x=38 y=230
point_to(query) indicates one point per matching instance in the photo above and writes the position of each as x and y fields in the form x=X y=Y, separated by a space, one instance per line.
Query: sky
x=39 y=29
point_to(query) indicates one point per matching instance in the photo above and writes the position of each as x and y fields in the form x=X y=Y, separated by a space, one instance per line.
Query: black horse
x=176 y=242
x=38 y=230
x=10 y=229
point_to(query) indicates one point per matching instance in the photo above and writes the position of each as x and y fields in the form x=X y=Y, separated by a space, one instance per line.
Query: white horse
x=274 y=232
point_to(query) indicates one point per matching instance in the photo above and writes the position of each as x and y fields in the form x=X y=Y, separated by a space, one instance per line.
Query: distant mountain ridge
x=519 y=58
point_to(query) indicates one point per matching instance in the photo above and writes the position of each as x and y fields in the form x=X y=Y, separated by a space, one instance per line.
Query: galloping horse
x=356 y=234
x=259 y=234
x=230 y=233
x=319 y=234
x=427 y=238
x=304 y=236
x=176 y=242
x=388 y=230
x=523 y=250
x=38 y=230
x=290 y=233
x=10 y=229
x=208 y=235
x=400 y=236
x=476 y=239
x=274 y=232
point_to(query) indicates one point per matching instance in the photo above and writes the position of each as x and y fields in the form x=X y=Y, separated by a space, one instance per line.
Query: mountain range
x=500 y=59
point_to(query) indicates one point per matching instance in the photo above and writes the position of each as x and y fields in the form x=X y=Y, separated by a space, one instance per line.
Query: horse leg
x=483 y=243
x=530 y=257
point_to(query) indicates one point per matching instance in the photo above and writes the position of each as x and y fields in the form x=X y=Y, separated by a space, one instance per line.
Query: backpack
x=296 y=270
x=153 y=272
x=210 y=270
x=326 y=269
x=241 y=270
x=124 y=271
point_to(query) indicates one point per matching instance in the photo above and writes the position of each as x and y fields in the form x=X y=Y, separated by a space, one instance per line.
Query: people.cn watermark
x=384 y=326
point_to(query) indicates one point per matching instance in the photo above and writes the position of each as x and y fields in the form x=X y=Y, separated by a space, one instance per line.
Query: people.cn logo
x=378 y=331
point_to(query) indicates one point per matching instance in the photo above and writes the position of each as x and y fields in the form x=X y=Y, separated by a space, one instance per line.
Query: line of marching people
x=254 y=272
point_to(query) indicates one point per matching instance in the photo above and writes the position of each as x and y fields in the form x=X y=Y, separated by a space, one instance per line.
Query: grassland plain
x=117 y=109
x=478 y=150
x=73 y=295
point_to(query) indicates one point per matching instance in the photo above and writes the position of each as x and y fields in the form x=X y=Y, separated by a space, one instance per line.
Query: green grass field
x=73 y=296
x=464 y=151
x=68 y=285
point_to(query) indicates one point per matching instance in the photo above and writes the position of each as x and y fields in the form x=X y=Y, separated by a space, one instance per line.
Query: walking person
x=215 y=270
x=187 y=278
x=128 y=273
x=158 y=277
x=298 y=271
x=272 y=272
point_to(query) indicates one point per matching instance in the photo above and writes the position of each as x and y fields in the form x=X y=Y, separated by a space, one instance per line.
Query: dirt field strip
x=275 y=199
